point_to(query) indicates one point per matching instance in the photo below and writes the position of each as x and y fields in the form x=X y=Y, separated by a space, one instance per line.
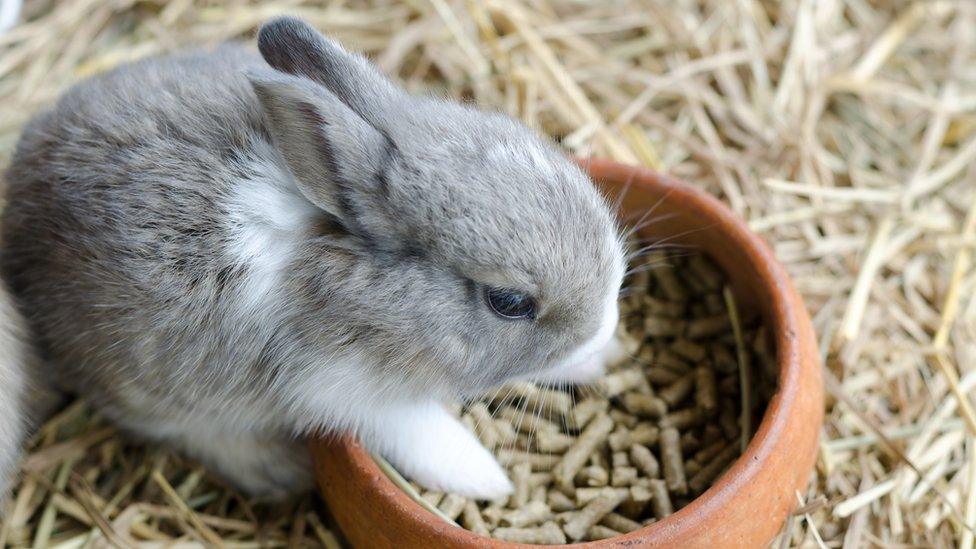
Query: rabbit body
x=224 y=255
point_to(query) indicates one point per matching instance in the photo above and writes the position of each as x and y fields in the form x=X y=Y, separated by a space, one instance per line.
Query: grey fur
x=123 y=244
x=23 y=400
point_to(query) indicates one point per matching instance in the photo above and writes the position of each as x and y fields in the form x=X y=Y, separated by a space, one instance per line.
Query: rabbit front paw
x=425 y=443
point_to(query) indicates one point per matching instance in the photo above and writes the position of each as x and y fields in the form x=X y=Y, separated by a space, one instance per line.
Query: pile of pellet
x=595 y=462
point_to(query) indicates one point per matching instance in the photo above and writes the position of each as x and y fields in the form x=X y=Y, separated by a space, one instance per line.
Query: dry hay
x=843 y=130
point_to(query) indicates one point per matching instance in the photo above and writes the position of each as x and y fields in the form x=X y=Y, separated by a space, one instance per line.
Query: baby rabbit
x=224 y=253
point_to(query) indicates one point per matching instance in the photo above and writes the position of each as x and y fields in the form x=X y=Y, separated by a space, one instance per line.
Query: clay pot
x=747 y=505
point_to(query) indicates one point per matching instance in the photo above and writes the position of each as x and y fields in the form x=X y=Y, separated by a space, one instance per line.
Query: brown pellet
x=706 y=392
x=525 y=421
x=593 y=436
x=559 y=501
x=728 y=419
x=708 y=452
x=520 y=478
x=586 y=495
x=585 y=410
x=663 y=307
x=542 y=400
x=472 y=519
x=710 y=470
x=620 y=523
x=594 y=511
x=636 y=504
x=598 y=532
x=538 y=494
x=728 y=386
x=671 y=361
x=644 y=433
x=506 y=433
x=539 y=462
x=724 y=359
x=706 y=272
x=644 y=459
x=690 y=442
x=672 y=461
x=621 y=417
x=547 y=534
x=621 y=381
x=660 y=326
x=593 y=475
x=619 y=439
x=643 y=405
x=669 y=283
x=528 y=514
x=660 y=499
x=660 y=375
x=679 y=390
x=689 y=350
x=708 y=326
x=623 y=476
x=452 y=505
x=682 y=419
x=483 y=429
x=433 y=498
x=553 y=442
x=619 y=459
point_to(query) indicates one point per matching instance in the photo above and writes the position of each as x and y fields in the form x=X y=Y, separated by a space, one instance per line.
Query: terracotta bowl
x=747 y=505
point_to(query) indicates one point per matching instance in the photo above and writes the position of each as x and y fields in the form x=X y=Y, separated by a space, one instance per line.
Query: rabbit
x=225 y=252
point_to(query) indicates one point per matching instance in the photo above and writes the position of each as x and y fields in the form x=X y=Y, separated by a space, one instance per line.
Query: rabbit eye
x=510 y=304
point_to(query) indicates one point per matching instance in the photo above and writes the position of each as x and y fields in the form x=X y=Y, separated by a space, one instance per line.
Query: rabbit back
x=140 y=209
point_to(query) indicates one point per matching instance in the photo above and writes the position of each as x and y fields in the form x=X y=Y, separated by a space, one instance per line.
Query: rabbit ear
x=295 y=47
x=332 y=152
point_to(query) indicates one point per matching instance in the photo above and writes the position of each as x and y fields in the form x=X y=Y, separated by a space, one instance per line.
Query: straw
x=844 y=131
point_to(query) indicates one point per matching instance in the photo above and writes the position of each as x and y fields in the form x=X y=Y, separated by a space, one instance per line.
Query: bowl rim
x=789 y=324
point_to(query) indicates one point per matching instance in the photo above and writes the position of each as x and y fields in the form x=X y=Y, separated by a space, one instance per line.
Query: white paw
x=471 y=472
x=425 y=443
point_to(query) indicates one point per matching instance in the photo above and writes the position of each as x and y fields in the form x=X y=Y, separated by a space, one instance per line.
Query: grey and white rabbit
x=224 y=253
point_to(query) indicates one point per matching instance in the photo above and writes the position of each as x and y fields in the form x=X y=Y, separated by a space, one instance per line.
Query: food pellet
x=689 y=350
x=645 y=405
x=706 y=392
x=652 y=434
x=619 y=382
x=472 y=519
x=520 y=478
x=598 y=532
x=676 y=392
x=528 y=514
x=593 y=512
x=452 y=505
x=593 y=436
x=672 y=461
x=644 y=459
x=585 y=410
x=710 y=470
x=623 y=476
x=547 y=534
x=559 y=501
x=539 y=462
x=620 y=523
x=660 y=499
x=660 y=326
x=594 y=475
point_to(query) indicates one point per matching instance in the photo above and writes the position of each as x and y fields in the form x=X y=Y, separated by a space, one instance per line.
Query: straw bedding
x=843 y=130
